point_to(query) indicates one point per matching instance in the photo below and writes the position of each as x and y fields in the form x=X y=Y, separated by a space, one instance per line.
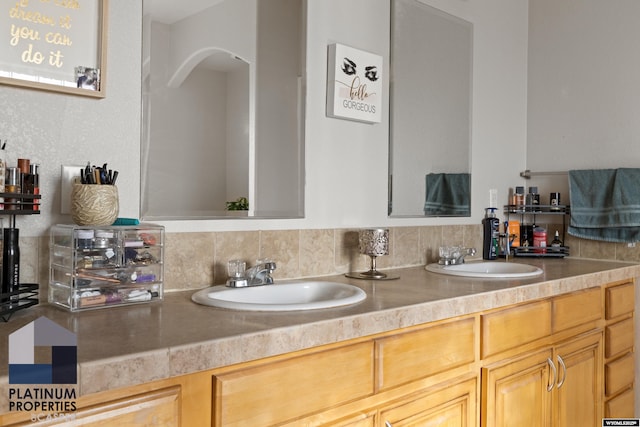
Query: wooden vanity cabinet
x=561 y=361
x=549 y=375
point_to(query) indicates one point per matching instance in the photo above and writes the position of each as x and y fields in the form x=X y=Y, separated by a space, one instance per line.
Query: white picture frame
x=354 y=84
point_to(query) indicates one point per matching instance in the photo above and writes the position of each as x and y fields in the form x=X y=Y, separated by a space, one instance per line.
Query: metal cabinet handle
x=555 y=374
x=564 y=371
x=387 y=424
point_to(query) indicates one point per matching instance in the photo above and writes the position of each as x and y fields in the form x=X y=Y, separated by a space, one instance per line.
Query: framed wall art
x=55 y=45
x=354 y=84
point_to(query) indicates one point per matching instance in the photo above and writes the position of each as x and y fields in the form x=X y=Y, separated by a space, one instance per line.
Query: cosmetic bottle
x=491 y=234
x=12 y=185
x=554 y=201
x=518 y=196
x=556 y=243
x=526 y=235
x=540 y=240
x=23 y=166
x=11 y=262
x=513 y=230
x=32 y=186
x=533 y=199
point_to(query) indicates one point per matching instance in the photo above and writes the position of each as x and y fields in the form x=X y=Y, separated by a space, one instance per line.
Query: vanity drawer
x=576 y=309
x=509 y=328
x=418 y=354
x=619 y=374
x=275 y=392
x=618 y=337
x=620 y=300
x=621 y=406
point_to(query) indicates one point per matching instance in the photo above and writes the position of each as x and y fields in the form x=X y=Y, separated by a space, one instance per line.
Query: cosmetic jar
x=103 y=239
x=85 y=239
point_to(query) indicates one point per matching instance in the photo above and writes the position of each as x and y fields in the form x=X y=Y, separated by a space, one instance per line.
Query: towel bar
x=528 y=174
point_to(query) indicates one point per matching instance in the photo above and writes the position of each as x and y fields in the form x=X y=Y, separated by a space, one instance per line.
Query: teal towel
x=605 y=204
x=448 y=194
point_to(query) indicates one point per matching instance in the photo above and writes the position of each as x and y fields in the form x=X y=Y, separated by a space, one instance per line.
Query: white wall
x=54 y=129
x=583 y=96
x=346 y=162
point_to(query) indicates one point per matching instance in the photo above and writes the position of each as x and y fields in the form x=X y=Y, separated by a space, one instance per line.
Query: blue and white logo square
x=27 y=345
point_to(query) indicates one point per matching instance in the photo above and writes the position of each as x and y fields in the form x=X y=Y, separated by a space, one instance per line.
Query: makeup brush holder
x=94 y=204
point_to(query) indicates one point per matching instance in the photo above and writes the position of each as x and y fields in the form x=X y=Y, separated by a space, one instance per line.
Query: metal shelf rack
x=532 y=211
x=18 y=204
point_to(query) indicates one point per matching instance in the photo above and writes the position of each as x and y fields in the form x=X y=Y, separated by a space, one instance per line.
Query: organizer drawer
x=620 y=300
x=619 y=337
x=619 y=374
x=621 y=406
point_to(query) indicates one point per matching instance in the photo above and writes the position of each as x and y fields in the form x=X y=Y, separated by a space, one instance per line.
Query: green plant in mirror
x=240 y=204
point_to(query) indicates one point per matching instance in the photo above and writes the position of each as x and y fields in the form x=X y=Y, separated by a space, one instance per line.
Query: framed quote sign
x=54 y=45
x=354 y=84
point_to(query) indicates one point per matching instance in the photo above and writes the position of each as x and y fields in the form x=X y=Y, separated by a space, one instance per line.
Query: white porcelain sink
x=487 y=269
x=283 y=296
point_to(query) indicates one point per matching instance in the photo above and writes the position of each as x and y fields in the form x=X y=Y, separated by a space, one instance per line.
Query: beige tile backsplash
x=197 y=260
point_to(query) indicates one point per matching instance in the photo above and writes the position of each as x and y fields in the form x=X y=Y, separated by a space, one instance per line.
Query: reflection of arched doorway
x=202 y=113
x=213 y=58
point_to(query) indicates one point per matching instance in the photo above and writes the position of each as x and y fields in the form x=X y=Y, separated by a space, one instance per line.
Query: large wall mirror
x=223 y=86
x=430 y=112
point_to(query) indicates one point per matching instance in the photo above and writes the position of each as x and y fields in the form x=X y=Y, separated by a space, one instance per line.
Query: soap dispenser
x=491 y=234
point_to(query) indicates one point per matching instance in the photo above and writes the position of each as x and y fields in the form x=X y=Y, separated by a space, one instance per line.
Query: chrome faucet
x=258 y=275
x=454 y=255
x=463 y=253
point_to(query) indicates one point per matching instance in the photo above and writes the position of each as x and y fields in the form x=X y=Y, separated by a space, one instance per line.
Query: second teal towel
x=605 y=204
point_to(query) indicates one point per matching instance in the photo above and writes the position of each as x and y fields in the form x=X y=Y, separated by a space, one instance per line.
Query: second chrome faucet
x=258 y=275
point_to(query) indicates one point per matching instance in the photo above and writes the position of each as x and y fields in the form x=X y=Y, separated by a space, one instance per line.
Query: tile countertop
x=124 y=346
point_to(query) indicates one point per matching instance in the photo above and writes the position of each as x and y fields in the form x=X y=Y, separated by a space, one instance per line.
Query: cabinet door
x=516 y=392
x=445 y=406
x=579 y=388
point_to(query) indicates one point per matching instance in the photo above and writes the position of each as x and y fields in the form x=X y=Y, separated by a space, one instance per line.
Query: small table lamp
x=375 y=243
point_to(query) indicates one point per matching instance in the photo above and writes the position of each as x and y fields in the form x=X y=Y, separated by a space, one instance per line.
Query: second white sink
x=487 y=269
x=284 y=296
